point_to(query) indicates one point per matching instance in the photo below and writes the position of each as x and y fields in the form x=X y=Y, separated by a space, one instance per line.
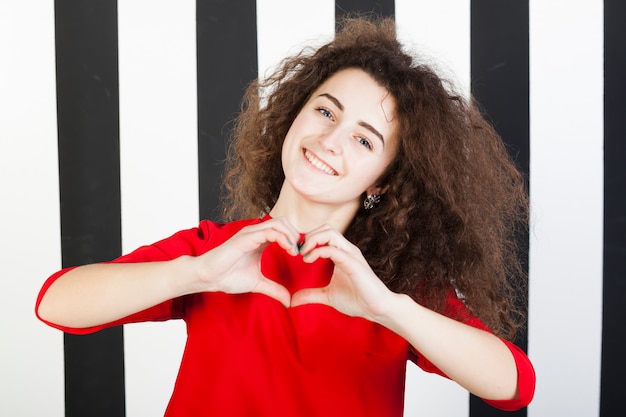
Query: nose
x=332 y=140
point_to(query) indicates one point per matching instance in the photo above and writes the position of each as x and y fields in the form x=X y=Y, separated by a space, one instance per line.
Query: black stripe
x=500 y=82
x=227 y=63
x=88 y=129
x=614 y=289
x=385 y=8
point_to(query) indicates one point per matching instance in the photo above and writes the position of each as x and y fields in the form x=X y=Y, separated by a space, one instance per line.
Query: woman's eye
x=325 y=113
x=364 y=142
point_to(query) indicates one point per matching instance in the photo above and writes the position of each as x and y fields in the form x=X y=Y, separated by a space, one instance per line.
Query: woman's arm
x=92 y=295
x=474 y=358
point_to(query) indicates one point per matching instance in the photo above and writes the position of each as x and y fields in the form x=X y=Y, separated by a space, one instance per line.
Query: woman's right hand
x=91 y=295
x=235 y=266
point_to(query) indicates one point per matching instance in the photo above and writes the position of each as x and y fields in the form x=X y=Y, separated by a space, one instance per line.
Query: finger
x=260 y=238
x=284 y=241
x=284 y=227
x=310 y=296
x=340 y=258
x=288 y=227
x=273 y=289
x=325 y=236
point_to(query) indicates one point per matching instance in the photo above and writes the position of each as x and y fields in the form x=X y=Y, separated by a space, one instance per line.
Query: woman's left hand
x=474 y=358
x=354 y=289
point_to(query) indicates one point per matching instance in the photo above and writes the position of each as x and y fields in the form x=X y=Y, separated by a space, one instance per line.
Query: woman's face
x=342 y=140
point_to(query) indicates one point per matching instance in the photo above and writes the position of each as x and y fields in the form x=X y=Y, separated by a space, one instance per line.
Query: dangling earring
x=371 y=201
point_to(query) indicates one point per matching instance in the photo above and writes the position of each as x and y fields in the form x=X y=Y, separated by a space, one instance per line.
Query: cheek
x=284 y=155
x=374 y=170
x=290 y=151
x=298 y=123
x=292 y=133
x=367 y=173
x=289 y=137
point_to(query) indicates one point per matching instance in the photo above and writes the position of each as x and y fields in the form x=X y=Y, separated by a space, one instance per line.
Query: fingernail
x=293 y=246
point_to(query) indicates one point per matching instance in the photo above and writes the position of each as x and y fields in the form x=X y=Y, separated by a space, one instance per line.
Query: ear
x=377 y=190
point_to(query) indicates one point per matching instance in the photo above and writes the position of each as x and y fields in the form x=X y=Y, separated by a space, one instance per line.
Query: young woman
x=379 y=213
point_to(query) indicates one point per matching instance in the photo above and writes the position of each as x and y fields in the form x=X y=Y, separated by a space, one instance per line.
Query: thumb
x=309 y=296
x=273 y=289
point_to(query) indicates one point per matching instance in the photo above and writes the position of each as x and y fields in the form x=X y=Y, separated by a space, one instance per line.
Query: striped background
x=112 y=119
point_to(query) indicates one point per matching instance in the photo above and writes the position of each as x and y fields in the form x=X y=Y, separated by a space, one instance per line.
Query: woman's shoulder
x=208 y=234
x=193 y=241
x=209 y=229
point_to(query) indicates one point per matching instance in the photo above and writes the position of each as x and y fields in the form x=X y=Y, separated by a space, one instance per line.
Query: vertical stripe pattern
x=88 y=135
x=420 y=28
x=31 y=358
x=614 y=313
x=565 y=301
x=227 y=63
x=158 y=129
x=142 y=160
x=499 y=74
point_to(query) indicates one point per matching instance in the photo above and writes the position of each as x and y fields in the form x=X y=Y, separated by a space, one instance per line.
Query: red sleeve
x=525 y=382
x=525 y=372
x=194 y=242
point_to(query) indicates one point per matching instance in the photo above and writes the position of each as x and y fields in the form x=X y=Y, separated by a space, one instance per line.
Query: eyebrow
x=364 y=124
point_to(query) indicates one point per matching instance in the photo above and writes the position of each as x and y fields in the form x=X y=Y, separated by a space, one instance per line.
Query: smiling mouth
x=317 y=163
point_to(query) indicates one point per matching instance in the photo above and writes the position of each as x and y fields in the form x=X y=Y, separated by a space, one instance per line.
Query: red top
x=248 y=355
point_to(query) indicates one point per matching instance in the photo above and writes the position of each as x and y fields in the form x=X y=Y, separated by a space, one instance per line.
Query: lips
x=318 y=163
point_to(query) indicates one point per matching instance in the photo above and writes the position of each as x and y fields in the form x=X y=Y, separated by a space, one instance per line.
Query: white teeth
x=319 y=164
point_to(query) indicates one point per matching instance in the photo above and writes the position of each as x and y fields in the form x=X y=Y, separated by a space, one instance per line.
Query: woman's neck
x=306 y=215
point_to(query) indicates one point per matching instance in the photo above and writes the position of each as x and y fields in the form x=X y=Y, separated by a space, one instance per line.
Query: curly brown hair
x=455 y=205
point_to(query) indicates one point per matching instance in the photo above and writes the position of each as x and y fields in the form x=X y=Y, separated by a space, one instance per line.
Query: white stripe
x=566 y=183
x=441 y=32
x=284 y=27
x=159 y=175
x=31 y=362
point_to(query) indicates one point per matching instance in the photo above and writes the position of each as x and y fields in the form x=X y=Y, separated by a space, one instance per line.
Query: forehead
x=356 y=87
x=352 y=78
